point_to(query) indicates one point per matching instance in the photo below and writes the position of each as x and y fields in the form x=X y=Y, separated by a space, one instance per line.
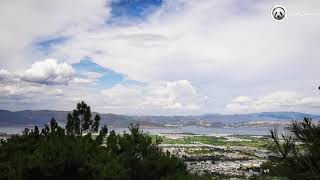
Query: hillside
x=40 y=117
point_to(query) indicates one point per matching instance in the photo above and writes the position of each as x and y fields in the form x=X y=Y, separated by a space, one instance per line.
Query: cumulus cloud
x=39 y=87
x=48 y=71
x=45 y=85
x=175 y=95
x=208 y=40
x=225 y=48
x=276 y=101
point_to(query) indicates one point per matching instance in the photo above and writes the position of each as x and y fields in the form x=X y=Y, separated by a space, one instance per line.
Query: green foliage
x=80 y=121
x=95 y=126
x=58 y=154
x=283 y=149
x=297 y=161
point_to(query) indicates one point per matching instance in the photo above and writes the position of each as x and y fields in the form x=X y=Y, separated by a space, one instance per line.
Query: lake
x=169 y=130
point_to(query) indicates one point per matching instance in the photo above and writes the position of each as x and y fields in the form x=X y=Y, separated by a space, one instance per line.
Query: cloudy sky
x=160 y=57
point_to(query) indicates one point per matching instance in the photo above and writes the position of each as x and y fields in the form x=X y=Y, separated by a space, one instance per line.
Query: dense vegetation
x=83 y=150
x=298 y=151
x=73 y=153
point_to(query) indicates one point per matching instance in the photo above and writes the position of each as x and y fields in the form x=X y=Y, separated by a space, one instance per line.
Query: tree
x=104 y=130
x=45 y=131
x=283 y=149
x=70 y=125
x=26 y=131
x=53 y=125
x=112 y=142
x=95 y=126
x=299 y=156
x=80 y=121
x=36 y=130
x=308 y=133
x=102 y=134
x=54 y=154
x=76 y=122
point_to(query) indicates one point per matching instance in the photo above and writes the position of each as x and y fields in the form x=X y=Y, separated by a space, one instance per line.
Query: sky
x=160 y=57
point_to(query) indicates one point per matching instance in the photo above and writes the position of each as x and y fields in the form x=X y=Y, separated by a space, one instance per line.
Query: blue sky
x=134 y=8
x=45 y=45
x=159 y=56
x=108 y=77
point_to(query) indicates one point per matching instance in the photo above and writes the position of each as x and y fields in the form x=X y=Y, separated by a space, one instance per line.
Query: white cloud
x=40 y=87
x=225 y=48
x=5 y=75
x=277 y=101
x=48 y=71
x=223 y=41
x=170 y=96
x=27 y=91
x=90 y=78
x=93 y=75
x=24 y=22
x=82 y=81
x=163 y=97
x=16 y=90
x=174 y=95
x=241 y=99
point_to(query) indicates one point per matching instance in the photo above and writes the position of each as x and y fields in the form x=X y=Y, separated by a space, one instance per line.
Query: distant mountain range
x=40 y=117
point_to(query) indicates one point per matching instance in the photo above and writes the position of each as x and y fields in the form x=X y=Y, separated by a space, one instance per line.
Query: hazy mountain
x=28 y=117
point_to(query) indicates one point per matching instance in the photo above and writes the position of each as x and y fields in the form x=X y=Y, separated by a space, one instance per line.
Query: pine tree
x=36 y=130
x=102 y=134
x=80 y=121
x=77 y=122
x=95 y=125
x=53 y=125
x=70 y=125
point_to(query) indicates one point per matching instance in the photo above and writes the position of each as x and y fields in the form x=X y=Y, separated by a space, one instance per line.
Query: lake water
x=205 y=130
x=187 y=129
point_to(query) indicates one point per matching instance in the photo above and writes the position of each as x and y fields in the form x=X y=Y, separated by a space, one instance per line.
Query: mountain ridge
x=40 y=117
